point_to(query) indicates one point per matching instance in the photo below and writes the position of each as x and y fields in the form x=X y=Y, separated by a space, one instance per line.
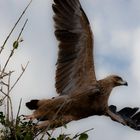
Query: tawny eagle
x=80 y=94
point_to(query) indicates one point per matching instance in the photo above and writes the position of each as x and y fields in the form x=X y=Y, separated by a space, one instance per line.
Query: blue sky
x=116 y=28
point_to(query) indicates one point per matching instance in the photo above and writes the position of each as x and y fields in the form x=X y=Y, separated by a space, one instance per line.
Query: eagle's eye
x=118 y=81
x=117 y=78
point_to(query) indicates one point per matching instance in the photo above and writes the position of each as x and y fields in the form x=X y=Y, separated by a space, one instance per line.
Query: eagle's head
x=116 y=80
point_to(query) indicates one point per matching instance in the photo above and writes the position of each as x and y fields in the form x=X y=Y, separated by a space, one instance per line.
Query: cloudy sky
x=116 y=27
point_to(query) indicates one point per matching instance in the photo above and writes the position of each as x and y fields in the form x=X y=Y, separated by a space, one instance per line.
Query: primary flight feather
x=80 y=94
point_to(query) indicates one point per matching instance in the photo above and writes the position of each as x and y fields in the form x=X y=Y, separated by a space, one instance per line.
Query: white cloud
x=121 y=39
x=136 y=55
x=115 y=36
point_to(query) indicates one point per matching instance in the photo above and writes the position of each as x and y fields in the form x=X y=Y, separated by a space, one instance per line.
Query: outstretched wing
x=131 y=116
x=75 y=66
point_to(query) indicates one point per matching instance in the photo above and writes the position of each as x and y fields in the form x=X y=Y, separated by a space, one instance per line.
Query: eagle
x=81 y=95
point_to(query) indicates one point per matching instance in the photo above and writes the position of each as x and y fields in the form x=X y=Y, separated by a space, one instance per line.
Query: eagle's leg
x=50 y=124
x=116 y=117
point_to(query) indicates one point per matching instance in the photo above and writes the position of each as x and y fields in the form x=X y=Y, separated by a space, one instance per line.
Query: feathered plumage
x=80 y=94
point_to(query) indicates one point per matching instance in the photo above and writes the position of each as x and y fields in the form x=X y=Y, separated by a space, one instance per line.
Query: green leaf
x=15 y=45
x=61 y=137
x=68 y=138
x=28 y=137
x=2 y=118
x=83 y=136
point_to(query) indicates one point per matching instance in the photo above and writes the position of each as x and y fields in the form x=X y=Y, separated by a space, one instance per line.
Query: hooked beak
x=123 y=83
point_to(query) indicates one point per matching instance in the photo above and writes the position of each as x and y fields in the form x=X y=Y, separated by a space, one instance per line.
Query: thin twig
x=1 y=90
x=23 y=70
x=11 y=107
x=2 y=47
x=3 y=83
x=18 y=111
x=8 y=88
x=11 y=54
x=22 y=29
x=13 y=50
x=43 y=135
x=82 y=133
x=5 y=74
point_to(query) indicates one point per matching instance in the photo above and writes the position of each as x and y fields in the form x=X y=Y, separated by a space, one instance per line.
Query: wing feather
x=131 y=116
x=75 y=66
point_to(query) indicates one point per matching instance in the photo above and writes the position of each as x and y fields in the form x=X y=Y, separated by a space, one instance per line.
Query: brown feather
x=75 y=47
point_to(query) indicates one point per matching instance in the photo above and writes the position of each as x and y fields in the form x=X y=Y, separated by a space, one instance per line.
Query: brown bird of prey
x=80 y=94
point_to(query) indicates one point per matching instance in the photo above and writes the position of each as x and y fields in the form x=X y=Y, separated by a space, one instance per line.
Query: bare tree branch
x=23 y=70
x=14 y=48
x=2 y=47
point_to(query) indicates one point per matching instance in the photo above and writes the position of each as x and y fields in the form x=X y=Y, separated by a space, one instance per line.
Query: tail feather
x=33 y=104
